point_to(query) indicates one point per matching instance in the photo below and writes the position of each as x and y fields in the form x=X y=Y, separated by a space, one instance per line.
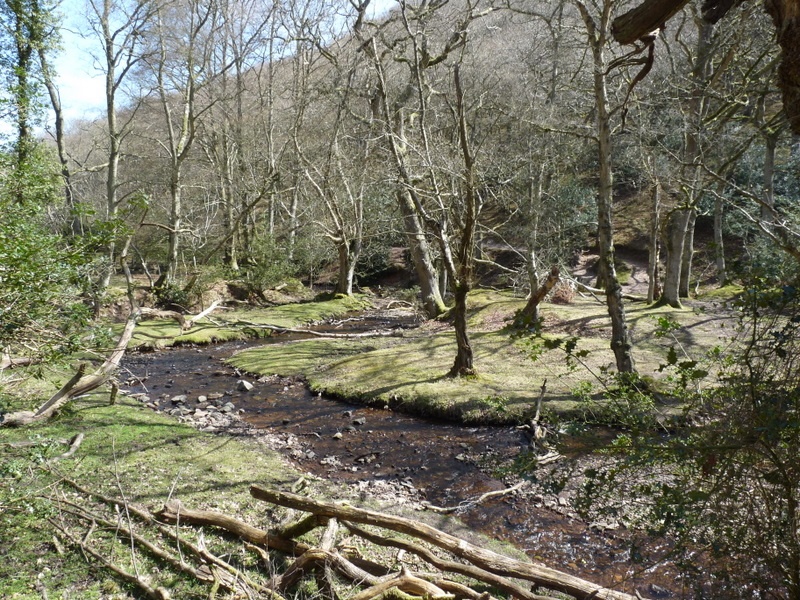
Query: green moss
x=127 y=450
x=726 y=292
x=410 y=373
x=243 y=324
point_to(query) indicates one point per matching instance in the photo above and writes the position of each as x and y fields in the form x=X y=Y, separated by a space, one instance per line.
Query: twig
x=446 y=510
x=158 y=593
x=74 y=444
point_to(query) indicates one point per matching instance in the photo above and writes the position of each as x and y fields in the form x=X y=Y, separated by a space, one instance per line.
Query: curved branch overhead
x=638 y=22
x=651 y=15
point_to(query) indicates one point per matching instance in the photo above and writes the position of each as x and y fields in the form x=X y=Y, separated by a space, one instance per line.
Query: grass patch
x=243 y=324
x=127 y=451
x=409 y=373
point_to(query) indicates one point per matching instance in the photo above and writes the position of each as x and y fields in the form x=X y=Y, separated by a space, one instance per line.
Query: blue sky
x=80 y=84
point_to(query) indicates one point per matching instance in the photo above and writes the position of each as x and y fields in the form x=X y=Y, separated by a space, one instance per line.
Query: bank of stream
x=391 y=454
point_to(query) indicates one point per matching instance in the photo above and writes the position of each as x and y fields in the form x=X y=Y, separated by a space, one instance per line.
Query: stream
x=422 y=459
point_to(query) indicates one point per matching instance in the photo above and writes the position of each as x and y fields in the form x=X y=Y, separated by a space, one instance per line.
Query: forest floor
x=145 y=457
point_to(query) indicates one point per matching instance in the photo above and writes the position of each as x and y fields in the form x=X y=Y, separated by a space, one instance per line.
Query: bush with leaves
x=40 y=306
x=726 y=486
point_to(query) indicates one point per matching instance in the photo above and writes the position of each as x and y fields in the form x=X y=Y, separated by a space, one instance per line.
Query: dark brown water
x=445 y=464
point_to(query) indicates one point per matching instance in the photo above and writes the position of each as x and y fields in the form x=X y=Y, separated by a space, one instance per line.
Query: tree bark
x=531 y=310
x=643 y=19
x=79 y=384
x=463 y=364
x=427 y=277
x=485 y=559
x=687 y=255
x=719 y=241
x=653 y=257
x=786 y=16
x=677 y=221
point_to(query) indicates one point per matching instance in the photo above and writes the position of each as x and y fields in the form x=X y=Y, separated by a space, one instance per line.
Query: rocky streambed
x=417 y=461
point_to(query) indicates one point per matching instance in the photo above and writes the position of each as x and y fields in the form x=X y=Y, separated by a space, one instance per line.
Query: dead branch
x=405 y=582
x=201 y=315
x=278 y=329
x=174 y=512
x=158 y=593
x=9 y=362
x=446 y=565
x=300 y=527
x=157 y=313
x=446 y=510
x=485 y=559
x=79 y=384
x=74 y=444
x=213 y=569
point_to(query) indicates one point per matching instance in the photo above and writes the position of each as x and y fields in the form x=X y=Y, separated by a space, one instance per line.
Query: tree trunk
x=175 y=223
x=653 y=258
x=719 y=242
x=538 y=293
x=421 y=257
x=620 y=340
x=463 y=365
x=677 y=221
x=687 y=255
x=786 y=16
x=768 y=175
x=347 y=267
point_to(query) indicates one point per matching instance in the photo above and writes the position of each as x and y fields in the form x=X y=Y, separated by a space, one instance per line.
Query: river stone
x=214 y=396
x=659 y=591
x=180 y=399
x=337 y=435
x=228 y=408
x=202 y=399
x=244 y=386
x=359 y=421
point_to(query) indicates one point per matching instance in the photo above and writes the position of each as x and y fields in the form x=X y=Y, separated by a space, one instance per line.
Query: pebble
x=337 y=435
x=244 y=386
x=359 y=421
x=202 y=399
x=180 y=399
x=659 y=591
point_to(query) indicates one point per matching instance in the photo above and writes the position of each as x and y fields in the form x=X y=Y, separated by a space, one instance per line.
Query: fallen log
x=448 y=566
x=174 y=512
x=189 y=323
x=279 y=329
x=10 y=362
x=79 y=384
x=157 y=313
x=480 y=557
